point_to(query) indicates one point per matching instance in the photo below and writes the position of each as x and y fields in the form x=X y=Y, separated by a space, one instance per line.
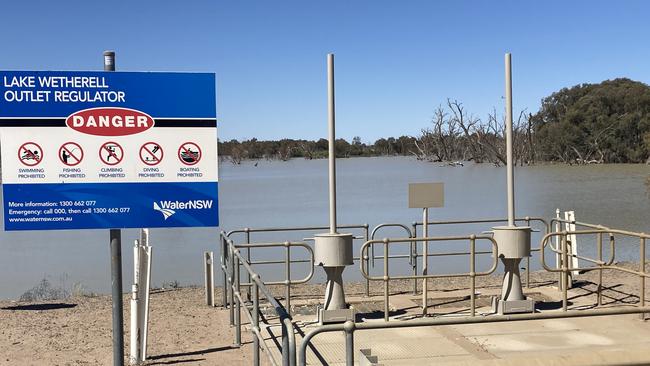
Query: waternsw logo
x=169 y=208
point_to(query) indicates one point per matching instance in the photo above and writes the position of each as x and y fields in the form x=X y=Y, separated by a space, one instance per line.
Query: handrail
x=564 y=270
x=472 y=274
x=412 y=256
x=350 y=327
x=287 y=281
x=527 y=219
x=485 y=221
x=298 y=228
x=235 y=260
x=248 y=232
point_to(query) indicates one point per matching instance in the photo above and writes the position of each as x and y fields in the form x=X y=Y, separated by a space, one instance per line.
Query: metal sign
x=91 y=150
x=425 y=195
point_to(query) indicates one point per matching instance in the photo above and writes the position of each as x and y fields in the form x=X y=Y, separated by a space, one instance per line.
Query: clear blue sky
x=395 y=60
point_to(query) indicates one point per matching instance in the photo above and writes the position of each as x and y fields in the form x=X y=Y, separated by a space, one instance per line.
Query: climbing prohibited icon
x=151 y=153
x=189 y=153
x=30 y=154
x=111 y=153
x=71 y=153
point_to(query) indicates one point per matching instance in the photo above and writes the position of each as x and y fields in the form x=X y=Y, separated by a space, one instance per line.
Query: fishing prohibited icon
x=111 y=153
x=189 y=153
x=30 y=154
x=71 y=153
x=151 y=153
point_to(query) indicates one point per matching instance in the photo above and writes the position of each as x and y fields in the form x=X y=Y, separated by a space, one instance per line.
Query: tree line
x=608 y=122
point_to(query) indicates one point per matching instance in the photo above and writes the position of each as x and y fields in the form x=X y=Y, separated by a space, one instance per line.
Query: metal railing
x=287 y=261
x=232 y=260
x=386 y=278
x=600 y=264
x=349 y=328
x=527 y=219
x=287 y=282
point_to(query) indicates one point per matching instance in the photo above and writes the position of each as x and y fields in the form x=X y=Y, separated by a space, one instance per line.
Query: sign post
x=425 y=196
x=84 y=150
x=115 y=240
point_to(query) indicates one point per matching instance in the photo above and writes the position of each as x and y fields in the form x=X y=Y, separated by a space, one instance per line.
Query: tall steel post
x=332 y=250
x=116 y=266
x=510 y=166
x=331 y=122
x=513 y=241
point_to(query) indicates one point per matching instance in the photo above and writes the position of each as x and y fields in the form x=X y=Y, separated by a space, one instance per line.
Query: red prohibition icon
x=189 y=153
x=111 y=153
x=71 y=153
x=151 y=153
x=30 y=154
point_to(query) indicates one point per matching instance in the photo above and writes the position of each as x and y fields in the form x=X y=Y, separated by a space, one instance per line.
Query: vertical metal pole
x=287 y=281
x=332 y=151
x=565 y=274
x=528 y=261
x=510 y=166
x=386 y=283
x=116 y=281
x=248 y=257
x=415 y=259
x=231 y=279
x=366 y=238
x=425 y=260
x=116 y=266
x=237 y=305
x=642 y=270
x=209 y=278
x=599 y=294
x=256 y=323
x=224 y=264
x=558 y=256
x=472 y=273
x=349 y=344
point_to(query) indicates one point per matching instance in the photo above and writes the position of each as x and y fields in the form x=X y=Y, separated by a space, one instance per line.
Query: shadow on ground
x=36 y=307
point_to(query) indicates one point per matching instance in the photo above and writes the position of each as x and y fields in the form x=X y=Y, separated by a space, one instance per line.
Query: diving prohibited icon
x=71 y=153
x=111 y=153
x=151 y=153
x=30 y=153
x=189 y=153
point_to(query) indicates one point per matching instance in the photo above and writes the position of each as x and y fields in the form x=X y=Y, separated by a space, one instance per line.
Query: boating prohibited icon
x=111 y=153
x=71 y=153
x=189 y=153
x=30 y=154
x=151 y=153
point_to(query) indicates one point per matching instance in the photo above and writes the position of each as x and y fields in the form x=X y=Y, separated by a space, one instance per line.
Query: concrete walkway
x=611 y=340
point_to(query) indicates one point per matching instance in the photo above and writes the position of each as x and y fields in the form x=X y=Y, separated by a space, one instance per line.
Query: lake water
x=370 y=190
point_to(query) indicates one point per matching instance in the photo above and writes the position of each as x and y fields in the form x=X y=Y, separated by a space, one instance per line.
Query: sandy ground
x=183 y=330
x=77 y=331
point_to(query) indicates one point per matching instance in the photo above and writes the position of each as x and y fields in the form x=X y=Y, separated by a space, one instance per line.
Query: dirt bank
x=77 y=330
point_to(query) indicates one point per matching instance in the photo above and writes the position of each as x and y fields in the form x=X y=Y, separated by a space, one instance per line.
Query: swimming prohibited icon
x=111 y=153
x=151 y=153
x=30 y=154
x=189 y=153
x=71 y=153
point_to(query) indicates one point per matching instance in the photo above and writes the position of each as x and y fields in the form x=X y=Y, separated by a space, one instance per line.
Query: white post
x=134 y=354
x=144 y=288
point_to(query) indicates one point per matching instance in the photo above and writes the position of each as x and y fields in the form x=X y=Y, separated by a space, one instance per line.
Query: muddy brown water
x=371 y=190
